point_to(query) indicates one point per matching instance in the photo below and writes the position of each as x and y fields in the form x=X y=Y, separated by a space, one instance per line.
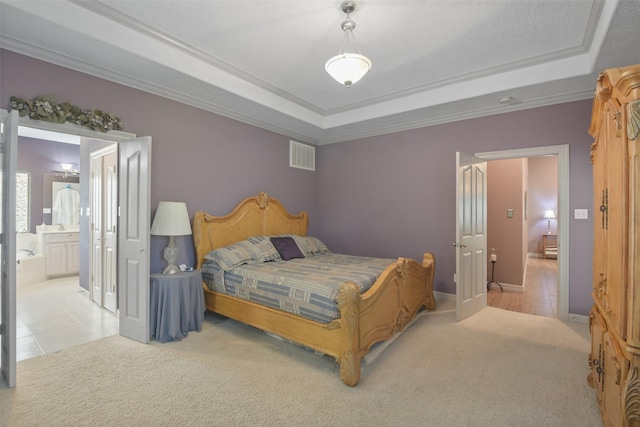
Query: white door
x=110 y=226
x=471 y=235
x=133 y=267
x=104 y=221
x=9 y=154
x=95 y=273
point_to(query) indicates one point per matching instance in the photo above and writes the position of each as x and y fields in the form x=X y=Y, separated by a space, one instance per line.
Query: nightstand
x=549 y=246
x=177 y=305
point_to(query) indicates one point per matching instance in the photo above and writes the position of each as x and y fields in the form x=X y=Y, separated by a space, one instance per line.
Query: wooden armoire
x=615 y=316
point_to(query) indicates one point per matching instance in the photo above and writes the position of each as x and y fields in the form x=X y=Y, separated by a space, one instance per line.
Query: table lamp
x=549 y=215
x=172 y=219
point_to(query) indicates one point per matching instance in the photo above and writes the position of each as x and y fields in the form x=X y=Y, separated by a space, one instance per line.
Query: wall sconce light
x=68 y=169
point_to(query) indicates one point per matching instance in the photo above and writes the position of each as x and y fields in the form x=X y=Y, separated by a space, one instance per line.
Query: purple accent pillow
x=287 y=248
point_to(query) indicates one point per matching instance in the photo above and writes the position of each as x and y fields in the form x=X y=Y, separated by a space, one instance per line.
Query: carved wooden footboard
x=385 y=309
x=393 y=301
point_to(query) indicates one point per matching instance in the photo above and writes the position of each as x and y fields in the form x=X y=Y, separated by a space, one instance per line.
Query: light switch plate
x=581 y=213
x=509 y=213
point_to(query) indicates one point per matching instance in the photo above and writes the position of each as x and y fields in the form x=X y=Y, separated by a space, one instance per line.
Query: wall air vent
x=302 y=156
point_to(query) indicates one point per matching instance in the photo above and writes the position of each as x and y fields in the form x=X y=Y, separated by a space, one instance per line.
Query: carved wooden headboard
x=260 y=215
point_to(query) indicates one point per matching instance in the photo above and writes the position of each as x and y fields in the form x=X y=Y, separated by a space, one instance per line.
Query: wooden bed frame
x=386 y=308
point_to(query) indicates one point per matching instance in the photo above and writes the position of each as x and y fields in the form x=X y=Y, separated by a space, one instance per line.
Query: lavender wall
x=206 y=160
x=394 y=195
x=390 y=195
x=40 y=158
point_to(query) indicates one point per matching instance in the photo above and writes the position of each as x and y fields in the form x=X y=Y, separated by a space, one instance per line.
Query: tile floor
x=540 y=293
x=54 y=315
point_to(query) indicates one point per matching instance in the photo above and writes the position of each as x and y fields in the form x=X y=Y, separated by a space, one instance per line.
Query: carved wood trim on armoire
x=614 y=320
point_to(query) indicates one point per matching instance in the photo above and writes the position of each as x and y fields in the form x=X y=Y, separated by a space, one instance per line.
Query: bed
x=364 y=319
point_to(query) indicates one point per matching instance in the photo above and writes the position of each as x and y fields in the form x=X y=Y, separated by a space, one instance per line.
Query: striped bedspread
x=304 y=286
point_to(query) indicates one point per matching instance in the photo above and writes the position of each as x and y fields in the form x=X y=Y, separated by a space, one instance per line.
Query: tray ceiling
x=262 y=62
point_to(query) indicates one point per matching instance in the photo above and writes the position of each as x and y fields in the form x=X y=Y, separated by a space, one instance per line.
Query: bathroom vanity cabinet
x=61 y=250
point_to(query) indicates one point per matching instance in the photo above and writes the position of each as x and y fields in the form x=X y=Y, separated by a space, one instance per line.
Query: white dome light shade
x=348 y=68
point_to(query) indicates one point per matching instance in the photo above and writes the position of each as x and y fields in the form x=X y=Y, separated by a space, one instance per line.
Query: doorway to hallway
x=562 y=153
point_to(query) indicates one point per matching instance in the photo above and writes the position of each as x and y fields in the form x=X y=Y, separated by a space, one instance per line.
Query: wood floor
x=540 y=290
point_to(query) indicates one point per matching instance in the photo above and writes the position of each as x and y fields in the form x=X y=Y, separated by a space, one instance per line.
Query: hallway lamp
x=172 y=219
x=549 y=215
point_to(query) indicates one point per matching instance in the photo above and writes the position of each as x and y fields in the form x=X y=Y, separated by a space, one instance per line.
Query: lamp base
x=171 y=269
x=171 y=253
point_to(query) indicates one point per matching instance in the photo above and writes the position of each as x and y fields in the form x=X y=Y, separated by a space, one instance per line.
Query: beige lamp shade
x=172 y=219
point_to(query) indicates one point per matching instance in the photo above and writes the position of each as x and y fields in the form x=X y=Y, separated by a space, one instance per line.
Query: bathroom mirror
x=58 y=188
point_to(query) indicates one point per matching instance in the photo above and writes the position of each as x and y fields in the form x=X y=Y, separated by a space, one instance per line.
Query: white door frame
x=8 y=164
x=85 y=134
x=562 y=151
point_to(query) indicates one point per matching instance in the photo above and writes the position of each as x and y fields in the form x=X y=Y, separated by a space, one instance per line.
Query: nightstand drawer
x=549 y=246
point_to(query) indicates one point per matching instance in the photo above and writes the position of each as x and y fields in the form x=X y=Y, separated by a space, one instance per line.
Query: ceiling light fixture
x=349 y=65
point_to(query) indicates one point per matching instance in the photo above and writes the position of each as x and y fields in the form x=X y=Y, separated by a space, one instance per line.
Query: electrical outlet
x=581 y=213
x=509 y=213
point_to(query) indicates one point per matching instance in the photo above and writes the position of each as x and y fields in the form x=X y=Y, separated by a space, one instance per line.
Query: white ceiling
x=262 y=61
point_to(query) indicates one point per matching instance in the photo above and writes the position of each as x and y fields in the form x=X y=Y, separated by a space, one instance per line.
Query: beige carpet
x=497 y=368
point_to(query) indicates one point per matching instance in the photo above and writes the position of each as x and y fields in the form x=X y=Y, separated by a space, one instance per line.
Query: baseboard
x=444 y=296
x=512 y=288
x=578 y=318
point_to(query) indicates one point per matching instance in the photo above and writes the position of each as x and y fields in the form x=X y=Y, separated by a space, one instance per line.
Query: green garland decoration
x=45 y=108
